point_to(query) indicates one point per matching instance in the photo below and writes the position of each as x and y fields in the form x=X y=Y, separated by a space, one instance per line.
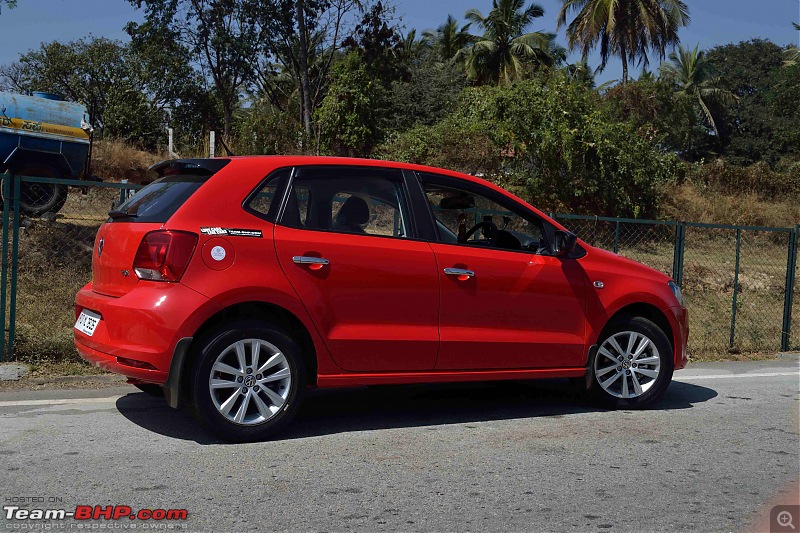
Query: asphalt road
x=718 y=452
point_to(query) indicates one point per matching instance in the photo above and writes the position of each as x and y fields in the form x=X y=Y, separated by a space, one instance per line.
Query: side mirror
x=563 y=243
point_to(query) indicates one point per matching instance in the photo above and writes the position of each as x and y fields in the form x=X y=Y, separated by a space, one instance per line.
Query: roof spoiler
x=194 y=167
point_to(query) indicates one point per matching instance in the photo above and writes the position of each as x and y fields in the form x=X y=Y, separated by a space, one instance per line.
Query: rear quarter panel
x=254 y=275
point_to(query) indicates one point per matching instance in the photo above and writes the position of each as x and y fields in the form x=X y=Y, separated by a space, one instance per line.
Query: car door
x=346 y=242
x=507 y=305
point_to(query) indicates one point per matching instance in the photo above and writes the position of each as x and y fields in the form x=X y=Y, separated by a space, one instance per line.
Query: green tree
x=793 y=52
x=302 y=39
x=449 y=38
x=263 y=128
x=694 y=80
x=749 y=130
x=221 y=35
x=550 y=141
x=667 y=122
x=348 y=120
x=628 y=29
x=503 y=51
x=428 y=95
x=783 y=99
x=377 y=41
x=104 y=75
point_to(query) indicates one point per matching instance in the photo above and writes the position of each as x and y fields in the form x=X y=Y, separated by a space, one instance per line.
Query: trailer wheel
x=36 y=199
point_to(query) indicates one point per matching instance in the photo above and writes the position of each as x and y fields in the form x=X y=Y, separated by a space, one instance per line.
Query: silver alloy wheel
x=627 y=364
x=246 y=390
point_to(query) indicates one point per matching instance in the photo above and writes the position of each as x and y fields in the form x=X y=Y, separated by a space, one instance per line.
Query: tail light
x=164 y=255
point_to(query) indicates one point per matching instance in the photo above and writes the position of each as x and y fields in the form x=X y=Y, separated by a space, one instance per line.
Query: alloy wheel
x=627 y=364
x=250 y=381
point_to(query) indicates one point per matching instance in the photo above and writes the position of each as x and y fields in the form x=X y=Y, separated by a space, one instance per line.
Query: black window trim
x=285 y=189
x=476 y=188
x=280 y=194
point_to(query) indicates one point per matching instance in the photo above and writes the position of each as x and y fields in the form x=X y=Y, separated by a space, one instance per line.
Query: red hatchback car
x=235 y=284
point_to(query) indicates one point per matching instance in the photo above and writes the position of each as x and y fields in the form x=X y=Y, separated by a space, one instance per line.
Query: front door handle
x=314 y=263
x=461 y=273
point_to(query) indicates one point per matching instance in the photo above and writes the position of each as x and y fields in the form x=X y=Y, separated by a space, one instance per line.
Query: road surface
x=717 y=453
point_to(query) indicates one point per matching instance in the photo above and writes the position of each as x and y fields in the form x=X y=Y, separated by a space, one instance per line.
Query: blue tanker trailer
x=45 y=136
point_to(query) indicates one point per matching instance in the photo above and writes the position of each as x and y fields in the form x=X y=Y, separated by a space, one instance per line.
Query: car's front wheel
x=249 y=381
x=633 y=365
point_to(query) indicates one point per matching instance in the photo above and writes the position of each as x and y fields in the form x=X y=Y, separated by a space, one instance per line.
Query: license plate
x=87 y=322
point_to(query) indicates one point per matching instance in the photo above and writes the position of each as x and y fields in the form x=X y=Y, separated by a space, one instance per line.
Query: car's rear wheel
x=248 y=382
x=633 y=365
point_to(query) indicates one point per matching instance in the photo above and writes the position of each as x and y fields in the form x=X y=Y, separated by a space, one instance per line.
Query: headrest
x=354 y=211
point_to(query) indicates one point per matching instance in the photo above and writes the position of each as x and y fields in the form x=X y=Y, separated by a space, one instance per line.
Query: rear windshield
x=158 y=201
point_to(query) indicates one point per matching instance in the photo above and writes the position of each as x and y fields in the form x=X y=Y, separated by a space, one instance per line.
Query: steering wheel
x=491 y=230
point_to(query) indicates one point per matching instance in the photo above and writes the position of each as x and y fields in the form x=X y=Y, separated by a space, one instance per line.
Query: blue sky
x=713 y=22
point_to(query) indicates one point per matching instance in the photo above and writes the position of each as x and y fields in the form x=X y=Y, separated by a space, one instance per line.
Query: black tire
x=654 y=388
x=150 y=389
x=216 y=345
x=36 y=199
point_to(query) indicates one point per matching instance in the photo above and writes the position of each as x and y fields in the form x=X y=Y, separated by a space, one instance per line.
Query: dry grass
x=115 y=160
x=690 y=202
x=708 y=288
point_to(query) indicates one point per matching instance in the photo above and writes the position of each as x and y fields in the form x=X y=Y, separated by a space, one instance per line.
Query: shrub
x=551 y=139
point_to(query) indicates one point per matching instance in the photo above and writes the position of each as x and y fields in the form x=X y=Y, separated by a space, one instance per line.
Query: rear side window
x=263 y=200
x=158 y=201
x=359 y=200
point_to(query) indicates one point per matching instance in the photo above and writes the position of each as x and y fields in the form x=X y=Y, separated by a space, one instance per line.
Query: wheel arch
x=259 y=310
x=644 y=310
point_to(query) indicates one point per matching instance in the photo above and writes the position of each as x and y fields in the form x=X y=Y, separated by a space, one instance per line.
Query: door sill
x=398 y=378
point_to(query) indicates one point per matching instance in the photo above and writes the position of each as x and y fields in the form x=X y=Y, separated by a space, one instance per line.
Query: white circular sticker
x=218 y=253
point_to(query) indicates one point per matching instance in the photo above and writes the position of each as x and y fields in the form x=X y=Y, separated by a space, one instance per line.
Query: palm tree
x=624 y=28
x=448 y=39
x=503 y=50
x=692 y=75
x=581 y=73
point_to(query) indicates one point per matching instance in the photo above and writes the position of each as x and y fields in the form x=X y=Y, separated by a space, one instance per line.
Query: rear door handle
x=314 y=263
x=460 y=272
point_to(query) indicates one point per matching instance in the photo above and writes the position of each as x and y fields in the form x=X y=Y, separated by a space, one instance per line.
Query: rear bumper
x=111 y=363
x=139 y=332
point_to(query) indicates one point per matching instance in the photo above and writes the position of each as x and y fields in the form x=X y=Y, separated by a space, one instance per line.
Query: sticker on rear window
x=233 y=232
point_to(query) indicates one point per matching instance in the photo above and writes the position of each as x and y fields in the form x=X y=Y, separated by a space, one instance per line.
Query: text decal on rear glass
x=233 y=232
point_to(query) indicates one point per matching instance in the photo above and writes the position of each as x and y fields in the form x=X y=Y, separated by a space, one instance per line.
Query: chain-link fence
x=734 y=278
x=47 y=259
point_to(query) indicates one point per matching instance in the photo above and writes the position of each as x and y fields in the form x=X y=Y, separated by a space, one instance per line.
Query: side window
x=262 y=200
x=465 y=217
x=363 y=201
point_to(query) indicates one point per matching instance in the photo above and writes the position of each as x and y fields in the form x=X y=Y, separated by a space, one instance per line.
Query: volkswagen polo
x=233 y=285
